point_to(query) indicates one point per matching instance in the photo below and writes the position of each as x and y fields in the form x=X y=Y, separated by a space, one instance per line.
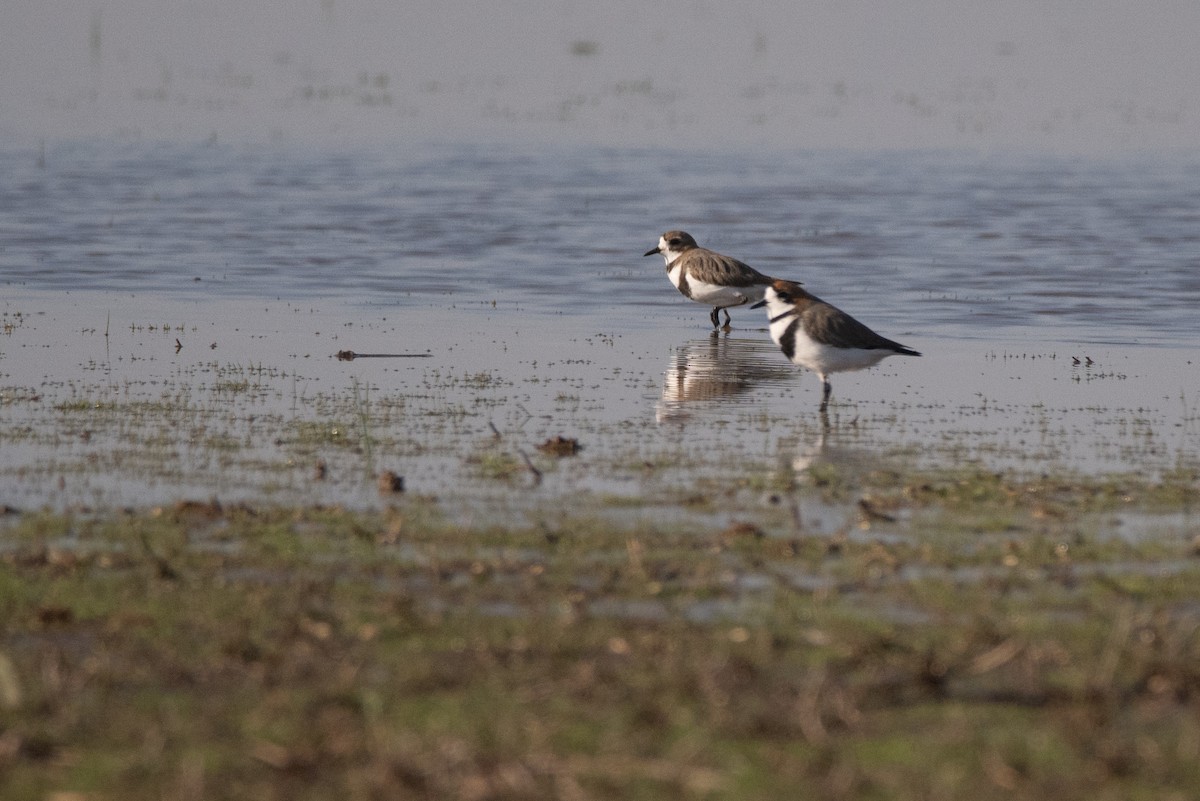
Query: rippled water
x=223 y=280
x=943 y=244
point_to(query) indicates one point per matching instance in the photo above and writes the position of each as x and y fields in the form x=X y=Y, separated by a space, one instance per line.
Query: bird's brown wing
x=832 y=326
x=729 y=271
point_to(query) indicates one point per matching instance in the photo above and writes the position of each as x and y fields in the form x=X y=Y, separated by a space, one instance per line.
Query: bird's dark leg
x=826 y=388
x=716 y=310
x=727 y=326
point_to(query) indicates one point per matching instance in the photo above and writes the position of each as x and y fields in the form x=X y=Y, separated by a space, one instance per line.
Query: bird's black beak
x=651 y=252
x=760 y=304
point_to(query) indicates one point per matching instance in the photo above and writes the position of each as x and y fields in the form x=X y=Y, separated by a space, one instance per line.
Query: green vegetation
x=961 y=635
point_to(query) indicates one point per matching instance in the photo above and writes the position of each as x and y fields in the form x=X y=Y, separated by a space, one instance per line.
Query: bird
x=814 y=334
x=708 y=277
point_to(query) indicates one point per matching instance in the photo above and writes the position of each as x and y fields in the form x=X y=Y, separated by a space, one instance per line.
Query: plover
x=707 y=277
x=821 y=337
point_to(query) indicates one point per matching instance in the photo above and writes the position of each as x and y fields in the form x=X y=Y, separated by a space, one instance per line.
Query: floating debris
x=389 y=483
x=742 y=530
x=349 y=355
x=872 y=512
x=537 y=474
x=560 y=446
x=194 y=510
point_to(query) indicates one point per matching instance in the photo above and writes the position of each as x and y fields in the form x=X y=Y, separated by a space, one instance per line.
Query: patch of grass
x=209 y=650
x=496 y=464
x=310 y=433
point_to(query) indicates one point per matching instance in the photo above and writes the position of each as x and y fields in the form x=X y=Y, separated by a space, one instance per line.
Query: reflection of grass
x=242 y=385
x=363 y=412
x=311 y=433
x=313 y=652
x=496 y=464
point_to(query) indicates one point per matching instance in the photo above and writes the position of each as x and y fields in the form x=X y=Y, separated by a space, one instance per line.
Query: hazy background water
x=1099 y=76
x=1021 y=167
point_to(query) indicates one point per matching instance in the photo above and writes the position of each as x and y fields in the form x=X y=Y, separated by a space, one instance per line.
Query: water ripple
x=946 y=243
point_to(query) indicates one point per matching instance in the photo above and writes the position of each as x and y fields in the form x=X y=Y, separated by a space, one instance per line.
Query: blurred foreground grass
x=962 y=636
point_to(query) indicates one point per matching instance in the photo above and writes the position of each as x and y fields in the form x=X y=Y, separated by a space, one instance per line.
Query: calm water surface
x=944 y=244
x=519 y=273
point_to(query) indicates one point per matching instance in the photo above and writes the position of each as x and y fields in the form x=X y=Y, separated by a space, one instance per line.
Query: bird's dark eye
x=785 y=297
x=673 y=240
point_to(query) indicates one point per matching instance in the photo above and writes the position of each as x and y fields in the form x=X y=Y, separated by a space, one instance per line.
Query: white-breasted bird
x=708 y=277
x=821 y=337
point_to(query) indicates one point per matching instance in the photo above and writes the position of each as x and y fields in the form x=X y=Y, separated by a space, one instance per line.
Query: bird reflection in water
x=846 y=448
x=709 y=372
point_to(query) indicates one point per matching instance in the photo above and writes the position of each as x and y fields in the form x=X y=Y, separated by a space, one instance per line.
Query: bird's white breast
x=675 y=273
x=825 y=359
x=779 y=325
x=718 y=295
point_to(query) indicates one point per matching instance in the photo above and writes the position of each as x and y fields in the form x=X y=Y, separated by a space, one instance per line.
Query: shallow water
x=925 y=243
x=518 y=272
